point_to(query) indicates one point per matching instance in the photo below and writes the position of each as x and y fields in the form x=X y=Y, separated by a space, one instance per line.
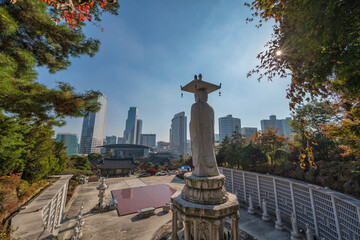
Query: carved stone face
x=201 y=95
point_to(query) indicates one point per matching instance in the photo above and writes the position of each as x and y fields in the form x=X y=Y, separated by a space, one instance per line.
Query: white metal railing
x=30 y=222
x=51 y=212
x=330 y=214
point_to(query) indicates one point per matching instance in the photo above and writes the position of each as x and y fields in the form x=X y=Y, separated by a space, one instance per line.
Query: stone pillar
x=195 y=230
x=309 y=234
x=265 y=215
x=180 y=223
x=187 y=230
x=221 y=230
x=295 y=235
x=235 y=226
x=251 y=209
x=278 y=224
x=216 y=226
x=174 y=224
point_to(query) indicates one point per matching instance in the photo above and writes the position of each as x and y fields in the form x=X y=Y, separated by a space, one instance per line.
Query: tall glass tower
x=92 y=134
x=131 y=126
x=70 y=142
x=139 y=124
x=178 y=133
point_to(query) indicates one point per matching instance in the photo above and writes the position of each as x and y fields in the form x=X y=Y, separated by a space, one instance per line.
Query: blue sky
x=153 y=47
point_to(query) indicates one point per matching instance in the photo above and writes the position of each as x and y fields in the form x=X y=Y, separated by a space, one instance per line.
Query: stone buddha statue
x=202 y=136
x=202 y=128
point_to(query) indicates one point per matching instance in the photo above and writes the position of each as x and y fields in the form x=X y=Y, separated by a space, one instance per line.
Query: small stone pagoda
x=203 y=204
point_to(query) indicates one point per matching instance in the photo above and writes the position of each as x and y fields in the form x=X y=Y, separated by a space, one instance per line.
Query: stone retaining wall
x=43 y=215
x=330 y=214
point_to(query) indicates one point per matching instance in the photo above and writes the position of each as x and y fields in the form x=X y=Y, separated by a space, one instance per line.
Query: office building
x=120 y=140
x=248 y=131
x=92 y=133
x=70 y=142
x=227 y=125
x=110 y=140
x=148 y=140
x=281 y=124
x=139 y=123
x=178 y=134
x=130 y=126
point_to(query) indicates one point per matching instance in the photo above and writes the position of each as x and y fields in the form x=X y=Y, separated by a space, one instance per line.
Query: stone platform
x=202 y=206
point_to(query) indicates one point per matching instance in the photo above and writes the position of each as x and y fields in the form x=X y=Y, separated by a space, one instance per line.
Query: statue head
x=201 y=95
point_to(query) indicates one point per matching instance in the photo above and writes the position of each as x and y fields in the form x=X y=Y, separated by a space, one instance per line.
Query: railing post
x=244 y=183
x=336 y=217
x=313 y=210
x=258 y=189
x=275 y=194
x=232 y=181
x=63 y=201
x=292 y=198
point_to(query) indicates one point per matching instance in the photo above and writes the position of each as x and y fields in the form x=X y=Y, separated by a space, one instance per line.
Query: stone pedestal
x=203 y=205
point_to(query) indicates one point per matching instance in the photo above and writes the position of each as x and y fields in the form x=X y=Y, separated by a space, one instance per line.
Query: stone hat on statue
x=198 y=84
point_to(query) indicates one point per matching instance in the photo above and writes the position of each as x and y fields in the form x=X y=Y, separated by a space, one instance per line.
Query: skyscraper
x=178 y=134
x=148 y=140
x=139 y=123
x=227 y=125
x=281 y=124
x=70 y=141
x=92 y=134
x=111 y=140
x=130 y=126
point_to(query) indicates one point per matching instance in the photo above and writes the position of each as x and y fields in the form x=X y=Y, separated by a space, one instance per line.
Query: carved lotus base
x=204 y=196
x=204 y=190
x=214 y=182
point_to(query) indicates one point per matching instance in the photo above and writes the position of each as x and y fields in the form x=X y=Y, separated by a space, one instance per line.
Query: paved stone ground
x=109 y=226
x=254 y=226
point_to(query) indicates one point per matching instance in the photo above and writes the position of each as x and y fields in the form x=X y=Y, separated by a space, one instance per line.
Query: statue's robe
x=202 y=140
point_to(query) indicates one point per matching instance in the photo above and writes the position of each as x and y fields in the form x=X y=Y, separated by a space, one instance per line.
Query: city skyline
x=145 y=59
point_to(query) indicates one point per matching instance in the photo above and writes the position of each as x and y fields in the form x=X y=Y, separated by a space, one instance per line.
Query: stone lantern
x=203 y=204
x=102 y=187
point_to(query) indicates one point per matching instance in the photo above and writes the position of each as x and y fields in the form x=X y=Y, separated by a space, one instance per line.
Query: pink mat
x=130 y=200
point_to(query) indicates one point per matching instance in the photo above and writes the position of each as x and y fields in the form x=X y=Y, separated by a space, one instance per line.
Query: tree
x=80 y=162
x=317 y=43
x=108 y=154
x=41 y=154
x=29 y=38
x=221 y=151
x=234 y=148
x=269 y=143
x=307 y=124
x=95 y=158
x=12 y=145
x=250 y=156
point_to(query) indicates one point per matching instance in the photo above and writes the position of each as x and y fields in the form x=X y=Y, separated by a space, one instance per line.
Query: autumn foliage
x=319 y=44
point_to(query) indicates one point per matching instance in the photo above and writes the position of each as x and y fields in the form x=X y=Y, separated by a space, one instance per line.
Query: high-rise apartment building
x=93 y=128
x=248 y=131
x=148 y=140
x=227 y=125
x=111 y=140
x=281 y=124
x=139 y=124
x=178 y=134
x=131 y=126
x=70 y=142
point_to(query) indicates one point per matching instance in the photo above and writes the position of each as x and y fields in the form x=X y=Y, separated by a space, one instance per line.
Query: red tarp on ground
x=130 y=200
